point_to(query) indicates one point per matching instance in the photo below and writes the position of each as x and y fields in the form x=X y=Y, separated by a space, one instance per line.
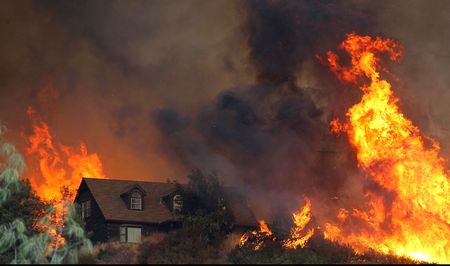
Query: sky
x=158 y=88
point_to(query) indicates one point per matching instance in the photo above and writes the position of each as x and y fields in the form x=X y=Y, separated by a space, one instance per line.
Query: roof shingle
x=107 y=195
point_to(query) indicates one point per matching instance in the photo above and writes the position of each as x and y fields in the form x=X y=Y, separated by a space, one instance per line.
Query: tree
x=206 y=208
x=203 y=192
x=24 y=203
x=70 y=236
x=24 y=234
x=206 y=221
x=17 y=244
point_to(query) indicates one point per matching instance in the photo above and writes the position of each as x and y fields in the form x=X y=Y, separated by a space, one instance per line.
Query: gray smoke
x=271 y=137
x=158 y=88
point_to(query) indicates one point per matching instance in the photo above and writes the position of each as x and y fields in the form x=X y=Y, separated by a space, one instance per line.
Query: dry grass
x=115 y=252
x=111 y=253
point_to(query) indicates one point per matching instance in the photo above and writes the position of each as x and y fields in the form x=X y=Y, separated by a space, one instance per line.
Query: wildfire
x=59 y=165
x=297 y=239
x=396 y=156
x=257 y=237
x=301 y=219
x=59 y=172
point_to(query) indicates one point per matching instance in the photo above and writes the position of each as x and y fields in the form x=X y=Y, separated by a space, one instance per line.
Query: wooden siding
x=95 y=225
x=113 y=229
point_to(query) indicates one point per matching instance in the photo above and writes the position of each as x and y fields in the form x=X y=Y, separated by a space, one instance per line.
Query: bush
x=318 y=250
x=111 y=253
x=205 y=224
x=176 y=248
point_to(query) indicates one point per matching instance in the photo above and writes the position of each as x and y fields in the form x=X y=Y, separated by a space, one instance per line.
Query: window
x=123 y=234
x=85 y=209
x=134 y=234
x=177 y=203
x=130 y=234
x=136 y=201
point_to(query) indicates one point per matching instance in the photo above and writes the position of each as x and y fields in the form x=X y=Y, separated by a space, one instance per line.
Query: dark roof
x=107 y=195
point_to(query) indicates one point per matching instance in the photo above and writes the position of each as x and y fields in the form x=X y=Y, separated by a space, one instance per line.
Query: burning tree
x=15 y=237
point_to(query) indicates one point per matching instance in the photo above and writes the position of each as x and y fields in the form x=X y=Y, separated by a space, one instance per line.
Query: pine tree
x=17 y=240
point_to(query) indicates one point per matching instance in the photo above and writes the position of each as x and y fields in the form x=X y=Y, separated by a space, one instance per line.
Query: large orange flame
x=416 y=223
x=59 y=166
x=301 y=219
x=58 y=172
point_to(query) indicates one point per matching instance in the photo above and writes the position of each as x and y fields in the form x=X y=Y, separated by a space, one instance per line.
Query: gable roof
x=107 y=193
x=134 y=187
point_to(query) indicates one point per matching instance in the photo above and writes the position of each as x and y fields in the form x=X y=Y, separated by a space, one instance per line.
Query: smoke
x=422 y=28
x=158 y=88
x=272 y=137
x=112 y=65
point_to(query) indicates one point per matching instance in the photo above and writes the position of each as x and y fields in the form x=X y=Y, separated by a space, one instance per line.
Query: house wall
x=101 y=230
x=95 y=225
x=113 y=229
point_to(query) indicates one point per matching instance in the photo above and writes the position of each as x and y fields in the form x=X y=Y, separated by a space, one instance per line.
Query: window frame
x=124 y=233
x=177 y=203
x=86 y=209
x=136 y=201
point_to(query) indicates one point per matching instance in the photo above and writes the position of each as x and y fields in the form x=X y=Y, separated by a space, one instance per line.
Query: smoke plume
x=158 y=88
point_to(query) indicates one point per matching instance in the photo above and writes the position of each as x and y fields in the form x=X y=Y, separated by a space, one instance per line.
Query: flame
x=396 y=156
x=59 y=165
x=58 y=173
x=301 y=219
x=264 y=228
x=297 y=238
x=257 y=237
x=335 y=126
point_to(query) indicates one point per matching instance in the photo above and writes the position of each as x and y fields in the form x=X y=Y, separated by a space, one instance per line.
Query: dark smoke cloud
x=271 y=137
x=283 y=34
x=113 y=63
x=158 y=88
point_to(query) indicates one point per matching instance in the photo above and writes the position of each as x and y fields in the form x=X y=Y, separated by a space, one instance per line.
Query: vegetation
x=110 y=253
x=205 y=224
x=23 y=203
x=25 y=223
x=318 y=250
x=203 y=237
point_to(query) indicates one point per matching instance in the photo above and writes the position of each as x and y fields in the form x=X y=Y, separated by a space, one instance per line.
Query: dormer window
x=133 y=197
x=136 y=201
x=177 y=203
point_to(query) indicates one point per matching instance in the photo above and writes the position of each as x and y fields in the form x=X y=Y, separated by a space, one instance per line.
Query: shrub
x=111 y=253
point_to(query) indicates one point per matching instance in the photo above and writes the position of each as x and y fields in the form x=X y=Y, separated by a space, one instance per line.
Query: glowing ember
x=257 y=237
x=398 y=157
x=301 y=219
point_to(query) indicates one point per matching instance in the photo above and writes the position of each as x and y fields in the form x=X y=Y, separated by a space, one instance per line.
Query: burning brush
x=297 y=239
x=255 y=238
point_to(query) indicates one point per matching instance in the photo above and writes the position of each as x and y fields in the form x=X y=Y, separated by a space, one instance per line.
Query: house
x=128 y=210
